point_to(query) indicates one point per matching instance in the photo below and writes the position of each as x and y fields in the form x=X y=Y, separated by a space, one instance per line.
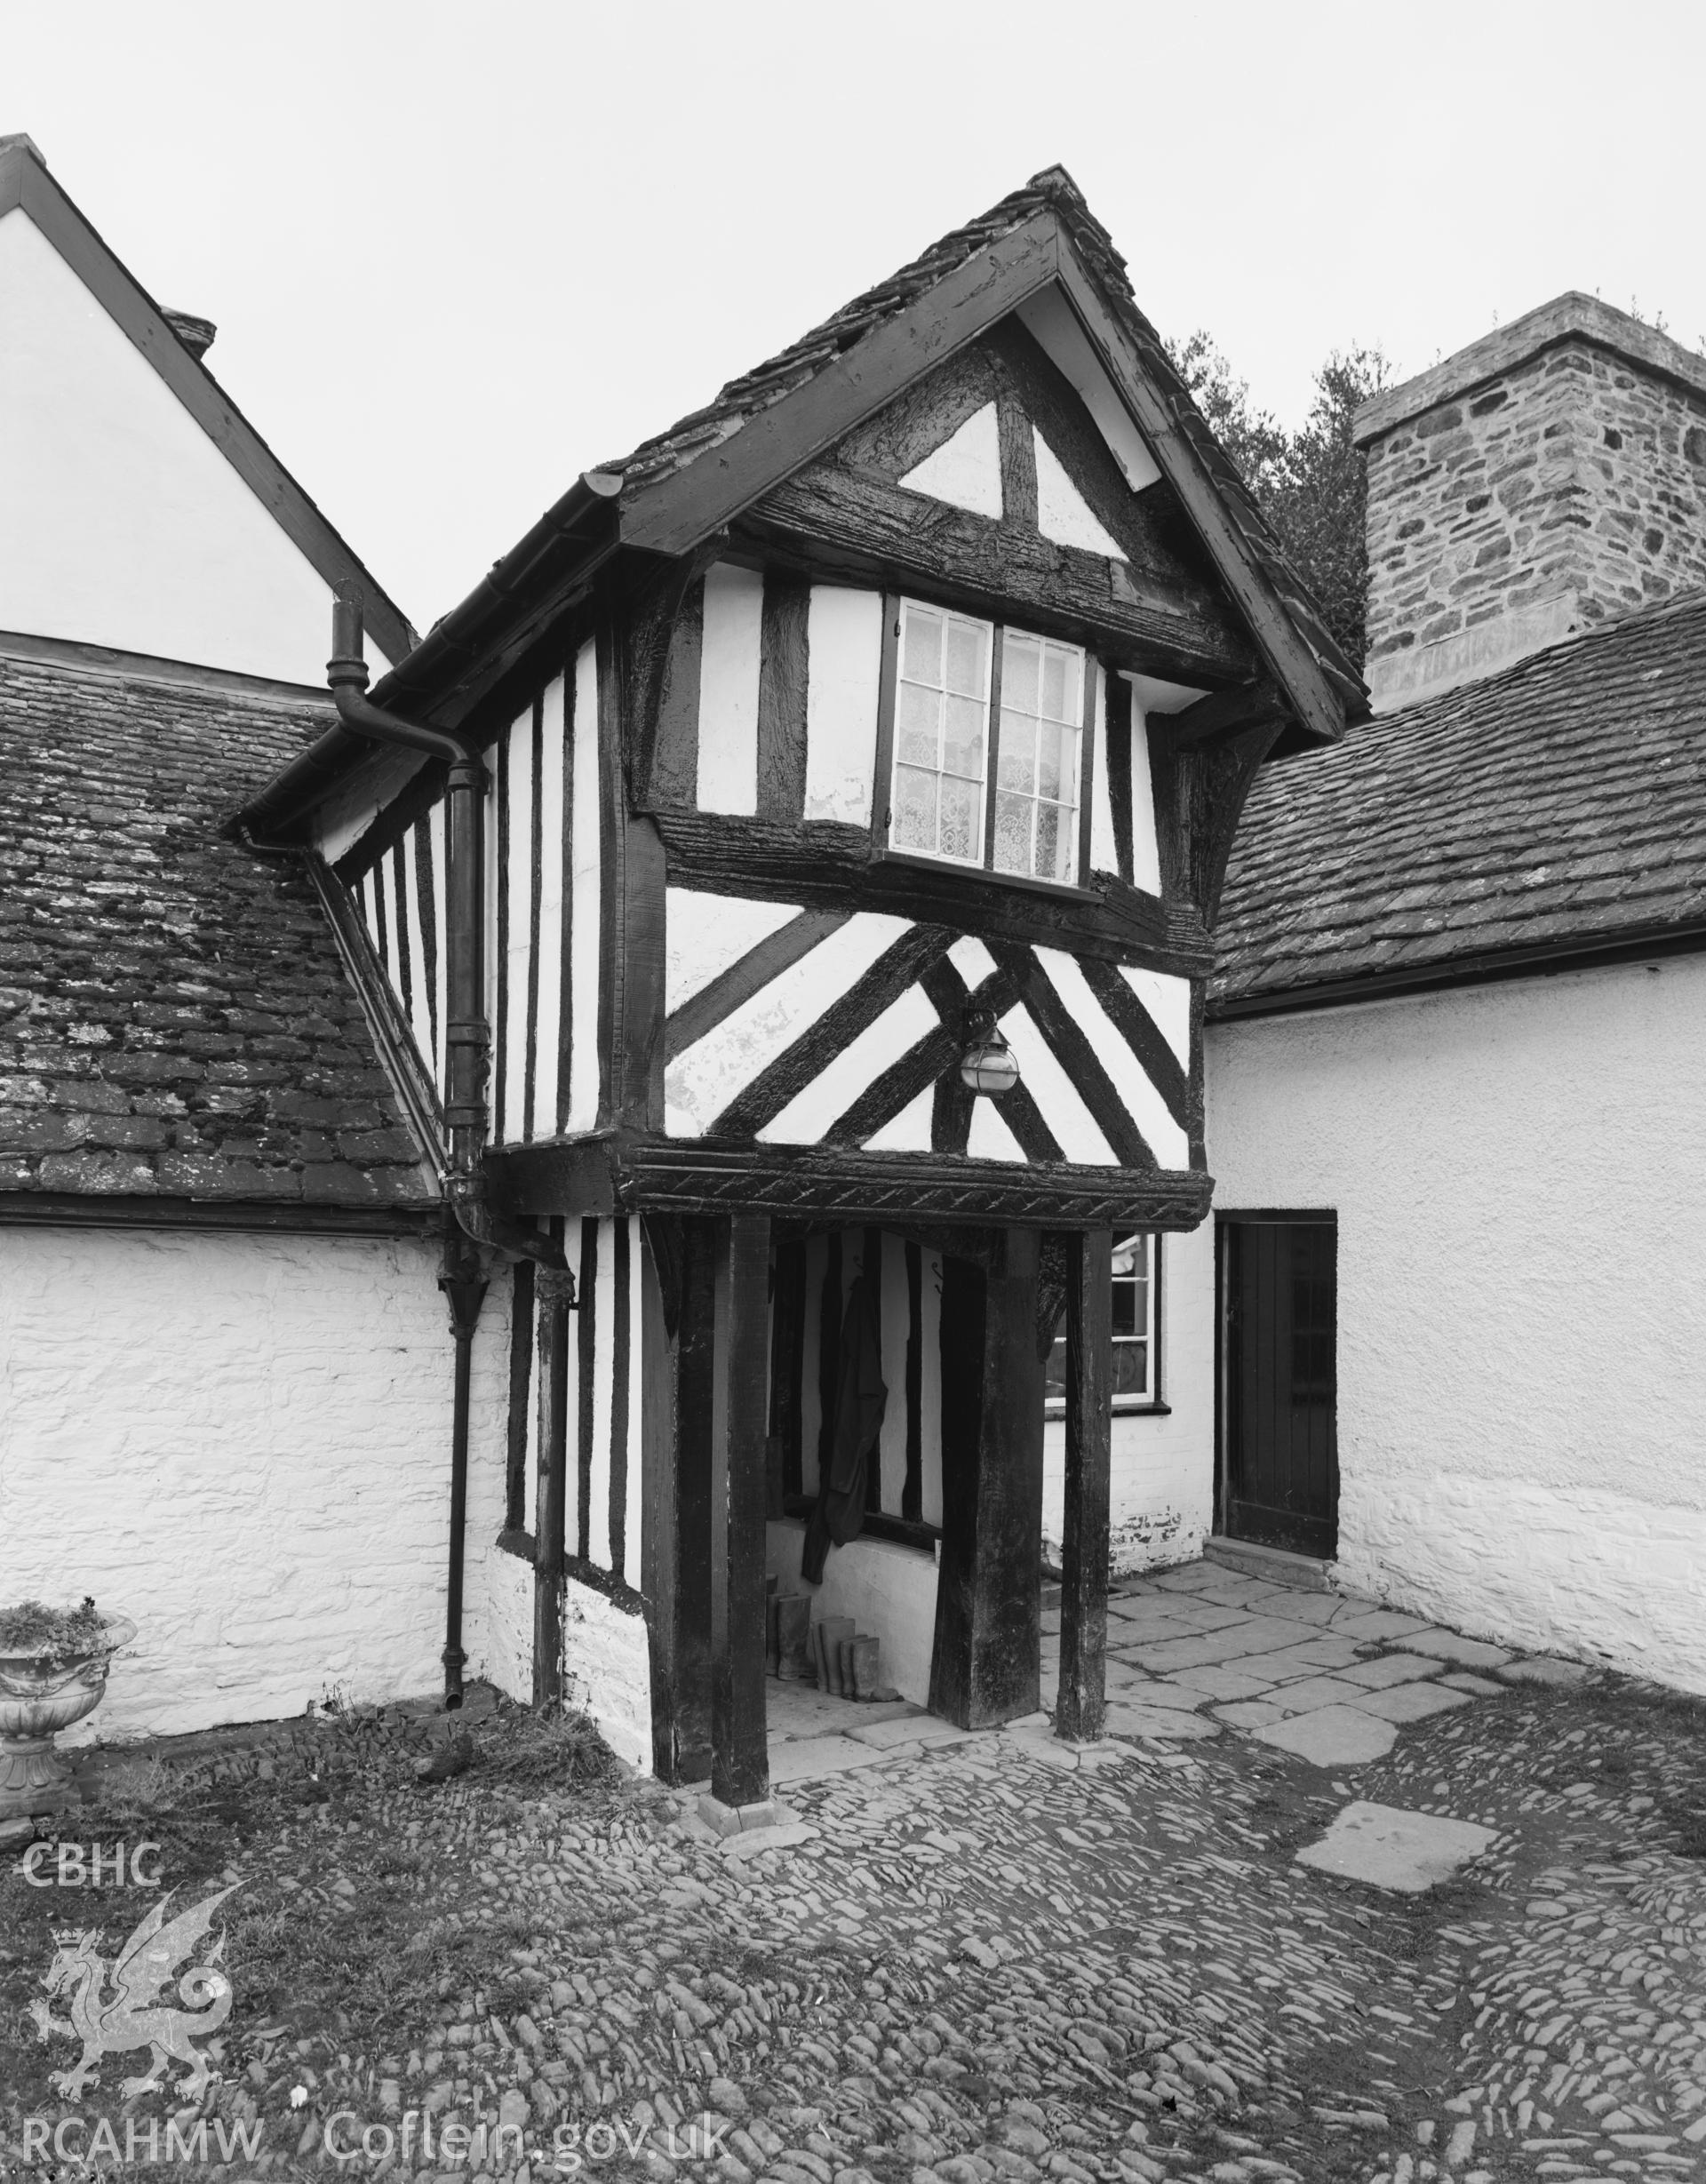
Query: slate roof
x=1558 y=805
x=1053 y=190
x=174 y=1016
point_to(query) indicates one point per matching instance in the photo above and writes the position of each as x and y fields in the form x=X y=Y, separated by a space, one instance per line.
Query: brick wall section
x=174 y=1016
x=1533 y=486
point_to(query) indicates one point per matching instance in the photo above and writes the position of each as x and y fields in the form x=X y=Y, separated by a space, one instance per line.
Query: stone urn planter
x=53 y=1664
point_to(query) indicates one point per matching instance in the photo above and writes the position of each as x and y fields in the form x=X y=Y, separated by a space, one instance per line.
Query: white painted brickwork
x=244 y=1442
x=607 y=1670
x=1520 y=1175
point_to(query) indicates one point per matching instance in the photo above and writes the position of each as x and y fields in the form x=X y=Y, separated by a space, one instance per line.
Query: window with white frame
x=1037 y=764
x=1137 y=1378
x=951 y=675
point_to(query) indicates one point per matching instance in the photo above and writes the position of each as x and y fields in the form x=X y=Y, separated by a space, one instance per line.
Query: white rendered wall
x=1520 y=1173
x=125 y=524
x=1160 y=1485
x=242 y=1442
x=607 y=1670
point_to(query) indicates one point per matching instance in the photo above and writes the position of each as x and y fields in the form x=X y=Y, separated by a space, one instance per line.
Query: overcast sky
x=458 y=254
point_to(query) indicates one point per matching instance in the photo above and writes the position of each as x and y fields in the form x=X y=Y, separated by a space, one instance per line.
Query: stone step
x=1271 y=1563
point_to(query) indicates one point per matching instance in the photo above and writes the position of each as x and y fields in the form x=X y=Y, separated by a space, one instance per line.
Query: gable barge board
x=821 y=864
x=991 y=567
x=1299 y=674
x=671 y=512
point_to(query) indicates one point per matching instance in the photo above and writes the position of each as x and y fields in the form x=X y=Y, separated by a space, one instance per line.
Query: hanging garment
x=860 y=1400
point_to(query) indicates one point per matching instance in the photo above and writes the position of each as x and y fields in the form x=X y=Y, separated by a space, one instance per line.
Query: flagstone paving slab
x=1390 y=1847
x=1410 y=1701
x=1543 y=1669
x=1215 y=1681
x=1467 y=1652
x=1332 y=1736
x=1478 y=1686
x=1391 y=1668
x=1378 y=1623
x=1314 y=1691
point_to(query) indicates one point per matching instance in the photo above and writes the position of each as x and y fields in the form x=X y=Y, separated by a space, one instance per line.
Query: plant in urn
x=53 y=1664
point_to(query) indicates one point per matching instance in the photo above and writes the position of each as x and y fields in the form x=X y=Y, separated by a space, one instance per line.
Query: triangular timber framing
x=27 y=186
x=672 y=515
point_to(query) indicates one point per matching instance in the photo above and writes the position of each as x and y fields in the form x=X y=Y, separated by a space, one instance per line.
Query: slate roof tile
x=1561 y=802
x=174 y=1016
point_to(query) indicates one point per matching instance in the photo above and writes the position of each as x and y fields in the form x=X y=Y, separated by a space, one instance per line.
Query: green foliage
x=1311 y=484
x=32 y=1627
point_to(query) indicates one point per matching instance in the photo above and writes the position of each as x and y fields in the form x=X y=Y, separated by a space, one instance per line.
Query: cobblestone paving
x=981 y=1958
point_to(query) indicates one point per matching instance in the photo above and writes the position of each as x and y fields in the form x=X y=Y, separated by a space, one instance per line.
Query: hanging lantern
x=987 y=1064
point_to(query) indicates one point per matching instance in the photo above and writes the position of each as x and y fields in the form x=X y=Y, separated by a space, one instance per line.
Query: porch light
x=987 y=1064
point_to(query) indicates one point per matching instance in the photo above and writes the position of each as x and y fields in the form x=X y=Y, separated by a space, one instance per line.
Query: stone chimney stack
x=1549 y=477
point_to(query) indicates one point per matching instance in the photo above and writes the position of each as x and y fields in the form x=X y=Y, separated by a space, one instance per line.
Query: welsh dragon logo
x=133 y=2013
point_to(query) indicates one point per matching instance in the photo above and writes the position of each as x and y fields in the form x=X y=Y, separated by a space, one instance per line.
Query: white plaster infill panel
x=808 y=1116
x=126 y=525
x=909 y=1131
x=1144 y=1104
x=989 y=1137
x=707 y=935
x=843 y=676
x=1062 y=512
x=728 y=665
x=1167 y=1000
x=586 y=939
x=699 y=1083
x=1076 y=1130
x=966 y=469
x=971 y=960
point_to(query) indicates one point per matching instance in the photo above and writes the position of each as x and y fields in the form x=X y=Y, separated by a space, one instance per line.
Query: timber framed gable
x=718 y=970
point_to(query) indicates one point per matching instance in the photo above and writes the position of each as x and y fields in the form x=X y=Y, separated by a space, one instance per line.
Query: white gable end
x=965 y=470
x=1062 y=512
x=125 y=525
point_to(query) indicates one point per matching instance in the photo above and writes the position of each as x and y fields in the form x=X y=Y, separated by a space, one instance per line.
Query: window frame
x=1153 y=1404
x=882 y=802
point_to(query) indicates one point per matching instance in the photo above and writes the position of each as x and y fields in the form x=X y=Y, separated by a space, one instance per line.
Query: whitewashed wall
x=1161 y=1487
x=1520 y=1173
x=243 y=1443
x=125 y=524
x=888 y=1590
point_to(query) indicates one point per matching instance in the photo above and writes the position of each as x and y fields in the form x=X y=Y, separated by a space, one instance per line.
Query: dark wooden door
x=1279 y=1479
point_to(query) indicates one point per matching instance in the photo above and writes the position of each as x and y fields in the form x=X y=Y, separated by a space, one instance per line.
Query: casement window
x=1137 y=1327
x=953 y=677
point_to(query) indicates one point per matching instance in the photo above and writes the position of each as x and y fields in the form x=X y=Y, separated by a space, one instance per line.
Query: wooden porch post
x=740 y=1771
x=987 y=1662
x=552 y=1289
x=1084 y=1546
x=688 y=1504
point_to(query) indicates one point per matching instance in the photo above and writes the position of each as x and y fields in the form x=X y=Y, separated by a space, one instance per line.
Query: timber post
x=740 y=1773
x=986 y=1667
x=553 y=1291
x=1084 y=1543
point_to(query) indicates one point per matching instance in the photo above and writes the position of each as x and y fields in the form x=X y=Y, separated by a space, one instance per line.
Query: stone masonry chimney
x=1547 y=477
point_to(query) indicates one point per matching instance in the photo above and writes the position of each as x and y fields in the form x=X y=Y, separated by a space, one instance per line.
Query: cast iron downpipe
x=468 y=1043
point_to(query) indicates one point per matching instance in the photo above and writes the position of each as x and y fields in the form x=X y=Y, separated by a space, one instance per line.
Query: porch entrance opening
x=1278 y=1474
x=883 y=1341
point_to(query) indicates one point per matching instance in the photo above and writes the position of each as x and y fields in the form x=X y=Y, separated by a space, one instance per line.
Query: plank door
x=1280 y=1464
